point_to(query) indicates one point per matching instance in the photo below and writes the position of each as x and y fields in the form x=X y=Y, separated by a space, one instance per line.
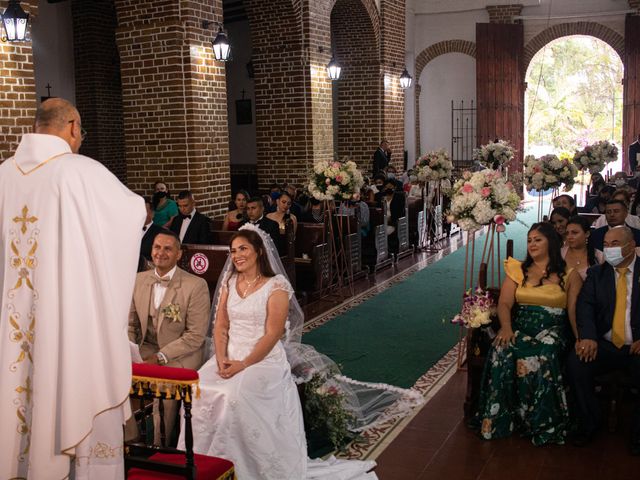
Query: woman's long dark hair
x=584 y=224
x=556 y=264
x=264 y=267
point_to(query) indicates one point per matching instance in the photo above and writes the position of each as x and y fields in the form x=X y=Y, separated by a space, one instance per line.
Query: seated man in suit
x=608 y=322
x=190 y=225
x=255 y=213
x=169 y=316
x=393 y=204
x=150 y=230
x=616 y=213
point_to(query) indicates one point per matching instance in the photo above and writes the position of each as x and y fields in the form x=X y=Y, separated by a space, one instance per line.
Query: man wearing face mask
x=608 y=322
x=393 y=203
x=616 y=212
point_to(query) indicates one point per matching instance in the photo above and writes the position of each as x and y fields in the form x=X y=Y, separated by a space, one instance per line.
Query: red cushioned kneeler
x=209 y=468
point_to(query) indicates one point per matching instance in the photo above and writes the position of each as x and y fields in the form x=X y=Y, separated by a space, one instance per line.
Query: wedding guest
x=169 y=317
x=393 y=204
x=522 y=388
x=597 y=184
x=381 y=157
x=164 y=209
x=608 y=325
x=236 y=217
x=191 y=226
x=632 y=220
x=315 y=214
x=160 y=186
x=616 y=214
x=150 y=230
x=578 y=251
x=282 y=213
x=559 y=218
x=566 y=201
x=634 y=154
x=256 y=216
x=356 y=207
x=598 y=204
x=295 y=207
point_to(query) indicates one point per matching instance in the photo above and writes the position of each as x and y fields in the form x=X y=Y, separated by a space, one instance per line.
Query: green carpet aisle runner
x=396 y=336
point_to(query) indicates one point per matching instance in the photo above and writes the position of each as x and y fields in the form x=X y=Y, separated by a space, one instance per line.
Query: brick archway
x=592 y=29
x=372 y=12
x=424 y=57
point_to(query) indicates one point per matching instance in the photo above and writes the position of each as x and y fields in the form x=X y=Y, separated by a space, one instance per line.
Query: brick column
x=18 y=93
x=504 y=13
x=174 y=99
x=355 y=32
x=635 y=4
x=418 y=90
x=393 y=55
x=98 y=86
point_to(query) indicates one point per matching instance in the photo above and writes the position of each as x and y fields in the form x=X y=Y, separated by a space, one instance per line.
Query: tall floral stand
x=341 y=268
x=432 y=229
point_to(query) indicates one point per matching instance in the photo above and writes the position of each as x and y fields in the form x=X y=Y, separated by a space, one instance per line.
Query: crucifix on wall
x=243 y=111
x=48 y=87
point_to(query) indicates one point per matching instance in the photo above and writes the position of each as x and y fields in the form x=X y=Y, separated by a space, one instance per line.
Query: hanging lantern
x=221 y=47
x=14 y=21
x=334 y=69
x=405 y=80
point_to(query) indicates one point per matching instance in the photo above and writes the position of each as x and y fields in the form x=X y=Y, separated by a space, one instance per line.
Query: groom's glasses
x=83 y=132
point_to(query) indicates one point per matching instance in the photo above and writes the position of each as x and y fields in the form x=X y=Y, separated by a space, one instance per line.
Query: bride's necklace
x=249 y=285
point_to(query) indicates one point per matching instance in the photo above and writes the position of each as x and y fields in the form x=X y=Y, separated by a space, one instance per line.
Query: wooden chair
x=205 y=261
x=144 y=462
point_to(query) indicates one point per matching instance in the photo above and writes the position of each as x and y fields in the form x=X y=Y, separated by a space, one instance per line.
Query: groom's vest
x=152 y=324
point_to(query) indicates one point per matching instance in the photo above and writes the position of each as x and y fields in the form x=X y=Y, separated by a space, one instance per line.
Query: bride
x=249 y=410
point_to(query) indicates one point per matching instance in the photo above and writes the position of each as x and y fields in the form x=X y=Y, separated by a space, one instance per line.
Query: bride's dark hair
x=264 y=267
x=556 y=263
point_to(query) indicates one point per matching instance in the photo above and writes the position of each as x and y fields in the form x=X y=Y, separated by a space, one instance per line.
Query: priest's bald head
x=58 y=117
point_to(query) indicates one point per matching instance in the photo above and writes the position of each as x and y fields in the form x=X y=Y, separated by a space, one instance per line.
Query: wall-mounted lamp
x=221 y=47
x=14 y=21
x=334 y=69
x=405 y=79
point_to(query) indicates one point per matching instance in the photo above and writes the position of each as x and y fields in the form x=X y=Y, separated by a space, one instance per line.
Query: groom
x=609 y=331
x=169 y=316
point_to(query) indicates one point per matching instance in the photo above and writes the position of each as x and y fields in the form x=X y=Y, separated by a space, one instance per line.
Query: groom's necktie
x=617 y=330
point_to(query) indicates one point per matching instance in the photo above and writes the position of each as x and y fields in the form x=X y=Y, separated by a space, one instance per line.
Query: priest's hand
x=635 y=348
x=231 y=367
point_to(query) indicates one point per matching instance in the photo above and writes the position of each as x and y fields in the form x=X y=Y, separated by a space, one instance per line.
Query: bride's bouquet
x=480 y=198
x=435 y=165
x=549 y=171
x=494 y=154
x=477 y=309
x=595 y=157
x=335 y=180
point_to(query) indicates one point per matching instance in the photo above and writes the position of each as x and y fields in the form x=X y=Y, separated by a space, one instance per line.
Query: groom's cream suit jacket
x=181 y=339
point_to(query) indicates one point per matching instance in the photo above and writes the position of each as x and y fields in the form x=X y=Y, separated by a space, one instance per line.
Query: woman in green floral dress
x=522 y=387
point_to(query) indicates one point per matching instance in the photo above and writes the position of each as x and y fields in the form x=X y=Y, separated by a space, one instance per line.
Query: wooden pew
x=375 y=248
x=414 y=207
x=217 y=223
x=205 y=261
x=591 y=217
x=349 y=225
x=313 y=265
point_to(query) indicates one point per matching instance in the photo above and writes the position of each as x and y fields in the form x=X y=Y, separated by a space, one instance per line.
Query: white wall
x=242 y=138
x=52 y=37
x=448 y=77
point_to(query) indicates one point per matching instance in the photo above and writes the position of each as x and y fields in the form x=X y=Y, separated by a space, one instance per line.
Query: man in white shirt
x=169 y=316
x=191 y=226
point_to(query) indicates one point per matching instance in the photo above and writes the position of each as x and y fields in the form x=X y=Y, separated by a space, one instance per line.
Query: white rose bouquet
x=595 y=157
x=494 y=154
x=549 y=171
x=335 y=180
x=481 y=198
x=434 y=165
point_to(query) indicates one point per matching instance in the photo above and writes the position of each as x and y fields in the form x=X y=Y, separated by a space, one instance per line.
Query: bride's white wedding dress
x=254 y=418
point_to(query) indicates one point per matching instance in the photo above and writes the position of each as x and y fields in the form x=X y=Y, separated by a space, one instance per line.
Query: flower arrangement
x=549 y=171
x=172 y=312
x=324 y=408
x=477 y=309
x=435 y=165
x=335 y=180
x=480 y=198
x=494 y=154
x=594 y=157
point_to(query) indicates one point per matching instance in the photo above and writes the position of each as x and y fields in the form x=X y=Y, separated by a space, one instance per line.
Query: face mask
x=379 y=186
x=620 y=183
x=613 y=255
x=389 y=191
x=391 y=175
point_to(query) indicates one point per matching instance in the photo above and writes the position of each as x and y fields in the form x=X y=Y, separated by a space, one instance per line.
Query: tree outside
x=573 y=97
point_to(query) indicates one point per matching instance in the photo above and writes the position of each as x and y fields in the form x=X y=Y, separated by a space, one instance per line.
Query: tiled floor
x=437 y=445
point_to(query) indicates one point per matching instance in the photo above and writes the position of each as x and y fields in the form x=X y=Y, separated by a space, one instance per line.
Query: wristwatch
x=162 y=359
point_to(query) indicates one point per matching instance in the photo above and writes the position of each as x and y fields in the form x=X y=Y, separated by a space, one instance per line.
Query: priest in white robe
x=69 y=244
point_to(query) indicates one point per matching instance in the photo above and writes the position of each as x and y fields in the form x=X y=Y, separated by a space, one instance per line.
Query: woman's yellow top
x=546 y=295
